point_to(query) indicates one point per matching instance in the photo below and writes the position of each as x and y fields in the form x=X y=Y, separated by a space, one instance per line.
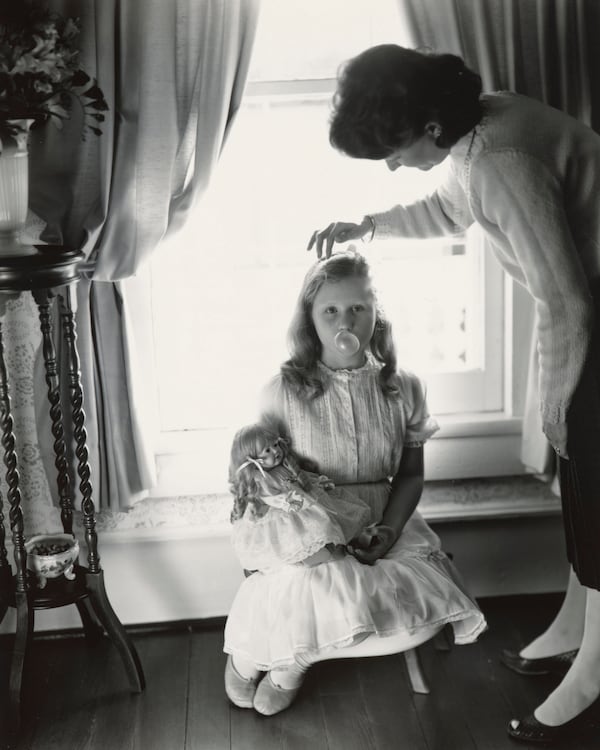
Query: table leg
x=91 y=626
x=42 y=298
x=115 y=630
x=79 y=432
x=23 y=636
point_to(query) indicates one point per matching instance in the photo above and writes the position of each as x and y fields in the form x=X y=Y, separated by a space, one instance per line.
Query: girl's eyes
x=355 y=308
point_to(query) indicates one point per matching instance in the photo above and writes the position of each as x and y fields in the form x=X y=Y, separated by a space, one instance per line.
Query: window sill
x=206 y=515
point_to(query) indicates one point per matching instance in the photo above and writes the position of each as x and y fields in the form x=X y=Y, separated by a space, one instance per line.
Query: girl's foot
x=240 y=689
x=271 y=698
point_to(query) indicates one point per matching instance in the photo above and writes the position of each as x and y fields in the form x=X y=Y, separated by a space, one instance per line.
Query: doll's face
x=271 y=455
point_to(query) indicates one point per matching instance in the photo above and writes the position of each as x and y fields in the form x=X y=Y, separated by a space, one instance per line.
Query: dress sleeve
x=523 y=202
x=443 y=213
x=420 y=425
x=270 y=404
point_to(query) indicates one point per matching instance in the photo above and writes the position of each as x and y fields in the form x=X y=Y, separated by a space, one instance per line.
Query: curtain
x=173 y=75
x=546 y=49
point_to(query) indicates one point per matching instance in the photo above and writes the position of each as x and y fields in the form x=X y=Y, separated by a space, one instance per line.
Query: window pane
x=310 y=38
x=244 y=258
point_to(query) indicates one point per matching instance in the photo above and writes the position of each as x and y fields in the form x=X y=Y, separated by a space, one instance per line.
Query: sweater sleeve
x=443 y=213
x=522 y=204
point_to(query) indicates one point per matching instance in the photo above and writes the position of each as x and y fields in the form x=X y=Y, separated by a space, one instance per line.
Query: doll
x=284 y=513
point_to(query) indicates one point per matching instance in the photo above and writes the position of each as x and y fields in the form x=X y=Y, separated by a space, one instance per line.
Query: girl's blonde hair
x=248 y=443
x=301 y=371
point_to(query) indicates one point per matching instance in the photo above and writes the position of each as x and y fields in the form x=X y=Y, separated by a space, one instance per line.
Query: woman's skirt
x=579 y=475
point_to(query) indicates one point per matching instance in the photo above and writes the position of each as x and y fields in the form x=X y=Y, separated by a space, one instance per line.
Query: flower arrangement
x=40 y=77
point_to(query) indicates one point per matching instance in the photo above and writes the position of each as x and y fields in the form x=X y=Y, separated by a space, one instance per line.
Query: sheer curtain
x=173 y=75
x=546 y=49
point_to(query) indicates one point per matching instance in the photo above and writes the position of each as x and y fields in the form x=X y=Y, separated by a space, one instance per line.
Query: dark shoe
x=533 y=731
x=559 y=664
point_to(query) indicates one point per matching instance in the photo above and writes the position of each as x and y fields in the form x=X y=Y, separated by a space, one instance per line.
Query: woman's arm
x=407 y=487
x=443 y=213
x=523 y=206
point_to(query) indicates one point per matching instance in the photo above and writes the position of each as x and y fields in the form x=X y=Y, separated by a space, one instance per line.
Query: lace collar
x=371 y=364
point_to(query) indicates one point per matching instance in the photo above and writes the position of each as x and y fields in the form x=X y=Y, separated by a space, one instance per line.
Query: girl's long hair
x=301 y=370
x=249 y=442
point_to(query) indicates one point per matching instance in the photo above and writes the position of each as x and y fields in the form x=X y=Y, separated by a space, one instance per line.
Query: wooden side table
x=51 y=274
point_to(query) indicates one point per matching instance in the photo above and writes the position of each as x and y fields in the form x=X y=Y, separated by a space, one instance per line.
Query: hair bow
x=249 y=460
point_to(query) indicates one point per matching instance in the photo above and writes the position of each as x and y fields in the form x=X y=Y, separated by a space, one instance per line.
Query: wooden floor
x=76 y=696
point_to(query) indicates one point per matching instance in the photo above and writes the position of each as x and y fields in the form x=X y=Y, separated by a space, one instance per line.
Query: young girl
x=362 y=422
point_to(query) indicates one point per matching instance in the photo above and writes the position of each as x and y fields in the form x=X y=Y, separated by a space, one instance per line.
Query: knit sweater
x=529 y=175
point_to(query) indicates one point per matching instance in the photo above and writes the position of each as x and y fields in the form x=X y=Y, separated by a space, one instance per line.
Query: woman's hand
x=379 y=540
x=338 y=231
x=557 y=435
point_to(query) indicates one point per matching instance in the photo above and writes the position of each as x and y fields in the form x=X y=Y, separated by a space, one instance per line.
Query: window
x=241 y=258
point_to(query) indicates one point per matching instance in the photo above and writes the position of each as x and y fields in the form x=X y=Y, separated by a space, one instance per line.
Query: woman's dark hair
x=387 y=94
x=301 y=371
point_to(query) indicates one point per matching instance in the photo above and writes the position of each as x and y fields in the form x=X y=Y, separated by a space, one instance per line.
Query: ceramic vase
x=14 y=189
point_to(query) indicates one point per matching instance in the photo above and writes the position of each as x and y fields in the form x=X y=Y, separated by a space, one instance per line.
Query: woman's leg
x=581 y=685
x=565 y=632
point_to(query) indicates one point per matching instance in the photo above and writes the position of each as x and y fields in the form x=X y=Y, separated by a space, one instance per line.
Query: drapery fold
x=173 y=75
x=545 y=49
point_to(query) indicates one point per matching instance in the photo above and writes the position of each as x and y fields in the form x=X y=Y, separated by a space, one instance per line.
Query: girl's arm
x=407 y=487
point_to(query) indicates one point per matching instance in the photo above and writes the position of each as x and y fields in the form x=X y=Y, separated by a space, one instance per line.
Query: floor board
x=76 y=696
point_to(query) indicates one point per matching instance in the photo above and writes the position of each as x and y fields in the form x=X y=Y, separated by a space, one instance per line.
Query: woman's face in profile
x=421 y=154
x=347 y=305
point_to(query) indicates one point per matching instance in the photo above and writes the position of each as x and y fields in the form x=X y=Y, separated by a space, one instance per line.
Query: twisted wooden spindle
x=43 y=301
x=12 y=476
x=79 y=432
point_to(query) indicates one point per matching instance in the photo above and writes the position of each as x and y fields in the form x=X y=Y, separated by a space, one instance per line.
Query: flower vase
x=14 y=189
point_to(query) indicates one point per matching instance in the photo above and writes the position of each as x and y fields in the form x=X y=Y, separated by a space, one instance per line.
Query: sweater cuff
x=553 y=413
x=383 y=228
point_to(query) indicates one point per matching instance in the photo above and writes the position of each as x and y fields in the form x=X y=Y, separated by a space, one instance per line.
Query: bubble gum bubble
x=346 y=342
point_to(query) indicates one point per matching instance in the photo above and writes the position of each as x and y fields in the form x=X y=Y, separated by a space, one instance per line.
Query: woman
x=529 y=175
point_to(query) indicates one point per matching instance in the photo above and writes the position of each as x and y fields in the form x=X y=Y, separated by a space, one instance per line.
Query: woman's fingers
x=339 y=231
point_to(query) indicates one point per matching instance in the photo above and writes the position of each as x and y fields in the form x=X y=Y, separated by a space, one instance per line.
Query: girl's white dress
x=356 y=435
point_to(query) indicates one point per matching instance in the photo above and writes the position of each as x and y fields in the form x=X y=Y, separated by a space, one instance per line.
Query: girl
x=529 y=175
x=363 y=423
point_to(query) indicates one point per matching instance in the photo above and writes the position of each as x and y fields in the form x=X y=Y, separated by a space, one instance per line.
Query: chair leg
x=443 y=640
x=115 y=630
x=417 y=679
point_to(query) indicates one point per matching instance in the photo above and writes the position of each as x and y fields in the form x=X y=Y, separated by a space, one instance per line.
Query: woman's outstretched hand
x=377 y=540
x=338 y=231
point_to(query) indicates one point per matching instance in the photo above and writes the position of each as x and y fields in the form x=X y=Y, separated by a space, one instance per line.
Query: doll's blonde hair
x=244 y=473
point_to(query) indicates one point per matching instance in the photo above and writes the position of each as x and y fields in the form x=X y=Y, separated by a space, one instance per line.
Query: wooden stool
x=50 y=274
x=414 y=669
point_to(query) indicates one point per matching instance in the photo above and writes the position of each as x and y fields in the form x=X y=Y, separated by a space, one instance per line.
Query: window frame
x=474 y=445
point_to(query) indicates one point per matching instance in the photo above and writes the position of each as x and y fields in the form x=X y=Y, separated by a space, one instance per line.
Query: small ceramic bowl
x=51 y=556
